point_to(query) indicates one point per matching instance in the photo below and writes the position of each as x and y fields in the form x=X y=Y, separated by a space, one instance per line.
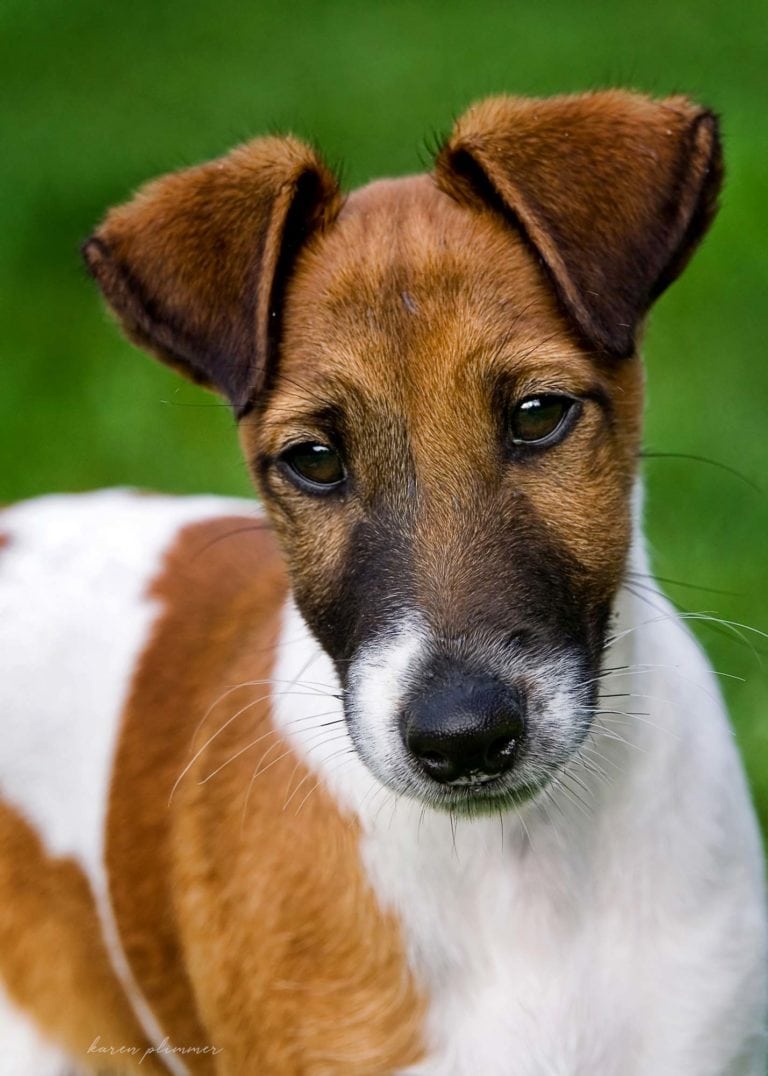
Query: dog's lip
x=494 y=793
x=490 y=788
x=475 y=779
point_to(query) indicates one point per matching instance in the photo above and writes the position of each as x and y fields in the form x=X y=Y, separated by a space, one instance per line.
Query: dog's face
x=450 y=474
x=440 y=401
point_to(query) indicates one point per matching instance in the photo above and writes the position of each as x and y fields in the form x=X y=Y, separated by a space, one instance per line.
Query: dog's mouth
x=475 y=779
x=488 y=796
x=467 y=797
x=468 y=724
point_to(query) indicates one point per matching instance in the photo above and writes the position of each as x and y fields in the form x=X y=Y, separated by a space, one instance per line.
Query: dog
x=417 y=771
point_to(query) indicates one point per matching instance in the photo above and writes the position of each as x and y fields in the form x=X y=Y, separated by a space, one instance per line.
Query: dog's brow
x=329 y=418
x=320 y=397
x=509 y=381
x=325 y=400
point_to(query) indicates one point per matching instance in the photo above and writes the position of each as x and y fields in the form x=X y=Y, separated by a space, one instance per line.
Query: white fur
x=307 y=706
x=615 y=926
x=379 y=678
x=74 y=617
x=23 y=1050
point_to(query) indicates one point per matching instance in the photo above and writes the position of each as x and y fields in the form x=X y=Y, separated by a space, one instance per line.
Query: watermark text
x=163 y=1048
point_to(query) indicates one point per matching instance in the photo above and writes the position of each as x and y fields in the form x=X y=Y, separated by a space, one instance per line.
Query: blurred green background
x=99 y=96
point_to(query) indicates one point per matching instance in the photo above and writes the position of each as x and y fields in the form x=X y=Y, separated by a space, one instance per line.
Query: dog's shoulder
x=80 y=590
x=84 y=582
x=111 y=537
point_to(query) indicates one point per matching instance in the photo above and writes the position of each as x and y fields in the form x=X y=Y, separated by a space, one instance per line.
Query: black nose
x=466 y=730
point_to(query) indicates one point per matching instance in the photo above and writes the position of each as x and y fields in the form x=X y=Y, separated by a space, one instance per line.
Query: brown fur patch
x=249 y=928
x=52 y=958
x=418 y=392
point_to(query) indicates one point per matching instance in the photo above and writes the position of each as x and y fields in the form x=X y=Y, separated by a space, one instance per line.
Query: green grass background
x=98 y=96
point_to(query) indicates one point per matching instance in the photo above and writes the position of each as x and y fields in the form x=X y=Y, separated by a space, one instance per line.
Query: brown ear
x=613 y=190
x=195 y=265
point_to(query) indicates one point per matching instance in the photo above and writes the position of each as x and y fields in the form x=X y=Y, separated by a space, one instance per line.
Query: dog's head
x=439 y=394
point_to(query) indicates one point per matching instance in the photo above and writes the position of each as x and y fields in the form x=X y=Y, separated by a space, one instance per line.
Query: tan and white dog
x=419 y=772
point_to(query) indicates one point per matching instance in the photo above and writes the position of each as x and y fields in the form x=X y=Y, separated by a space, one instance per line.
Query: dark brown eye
x=540 y=420
x=316 y=468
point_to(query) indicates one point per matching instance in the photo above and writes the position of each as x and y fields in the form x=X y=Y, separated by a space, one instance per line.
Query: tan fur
x=260 y=929
x=52 y=959
x=424 y=365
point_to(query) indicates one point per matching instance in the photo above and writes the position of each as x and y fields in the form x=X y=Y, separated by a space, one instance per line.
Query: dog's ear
x=612 y=190
x=195 y=266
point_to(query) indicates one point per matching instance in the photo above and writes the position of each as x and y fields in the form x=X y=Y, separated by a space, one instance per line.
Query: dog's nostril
x=500 y=754
x=438 y=766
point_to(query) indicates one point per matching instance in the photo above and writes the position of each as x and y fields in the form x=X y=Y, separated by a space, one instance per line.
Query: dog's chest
x=512 y=925
x=562 y=945
x=498 y=932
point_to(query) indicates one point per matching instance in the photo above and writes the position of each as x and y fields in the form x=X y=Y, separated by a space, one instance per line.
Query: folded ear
x=613 y=191
x=195 y=266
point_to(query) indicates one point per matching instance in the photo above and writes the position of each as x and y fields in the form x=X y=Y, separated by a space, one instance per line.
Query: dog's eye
x=314 y=467
x=541 y=420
